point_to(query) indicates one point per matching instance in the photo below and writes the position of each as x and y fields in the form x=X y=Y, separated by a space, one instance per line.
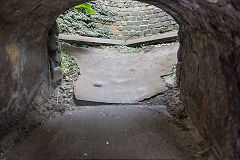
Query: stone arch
x=208 y=67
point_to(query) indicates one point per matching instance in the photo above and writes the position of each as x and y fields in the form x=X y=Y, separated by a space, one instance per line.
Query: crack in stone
x=162 y=109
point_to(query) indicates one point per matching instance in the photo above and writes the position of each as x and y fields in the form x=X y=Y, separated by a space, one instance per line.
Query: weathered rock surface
x=54 y=50
x=209 y=56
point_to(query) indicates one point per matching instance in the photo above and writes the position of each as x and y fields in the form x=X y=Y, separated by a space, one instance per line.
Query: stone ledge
x=155 y=39
x=159 y=38
x=89 y=40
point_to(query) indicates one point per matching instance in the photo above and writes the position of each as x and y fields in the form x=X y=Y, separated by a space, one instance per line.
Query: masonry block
x=141 y=13
x=163 y=29
x=139 y=18
x=157 y=10
x=135 y=13
x=125 y=33
x=136 y=28
x=143 y=27
x=130 y=23
x=144 y=22
x=132 y=18
x=129 y=28
x=151 y=26
x=147 y=32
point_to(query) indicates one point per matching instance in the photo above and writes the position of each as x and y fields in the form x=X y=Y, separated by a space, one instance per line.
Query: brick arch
x=208 y=67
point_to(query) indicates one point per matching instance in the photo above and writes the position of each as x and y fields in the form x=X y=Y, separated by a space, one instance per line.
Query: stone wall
x=136 y=19
x=208 y=67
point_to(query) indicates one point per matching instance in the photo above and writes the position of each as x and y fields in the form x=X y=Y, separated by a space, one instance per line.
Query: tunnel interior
x=208 y=63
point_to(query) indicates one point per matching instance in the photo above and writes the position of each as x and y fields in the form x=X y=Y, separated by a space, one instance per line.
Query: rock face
x=54 y=50
x=209 y=68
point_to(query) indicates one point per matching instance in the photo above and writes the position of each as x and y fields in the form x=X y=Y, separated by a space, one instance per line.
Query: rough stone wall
x=208 y=67
x=24 y=64
x=136 y=19
x=23 y=70
x=54 y=50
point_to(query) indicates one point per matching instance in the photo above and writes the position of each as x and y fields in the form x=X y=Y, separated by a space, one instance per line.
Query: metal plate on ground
x=111 y=76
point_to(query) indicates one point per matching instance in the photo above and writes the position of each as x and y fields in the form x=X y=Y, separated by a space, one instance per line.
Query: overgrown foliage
x=81 y=22
x=68 y=64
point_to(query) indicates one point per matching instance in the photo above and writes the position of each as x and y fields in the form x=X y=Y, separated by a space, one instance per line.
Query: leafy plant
x=84 y=8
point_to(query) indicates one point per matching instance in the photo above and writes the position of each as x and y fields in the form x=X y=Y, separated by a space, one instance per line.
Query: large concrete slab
x=107 y=132
x=113 y=77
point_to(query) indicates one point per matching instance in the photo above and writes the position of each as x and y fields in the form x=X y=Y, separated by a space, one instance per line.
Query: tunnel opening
x=128 y=21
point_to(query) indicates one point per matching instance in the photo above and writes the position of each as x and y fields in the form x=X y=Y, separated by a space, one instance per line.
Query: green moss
x=78 y=23
x=68 y=64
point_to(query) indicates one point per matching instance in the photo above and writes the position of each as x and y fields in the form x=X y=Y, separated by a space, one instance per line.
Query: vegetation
x=84 y=8
x=68 y=64
x=87 y=19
